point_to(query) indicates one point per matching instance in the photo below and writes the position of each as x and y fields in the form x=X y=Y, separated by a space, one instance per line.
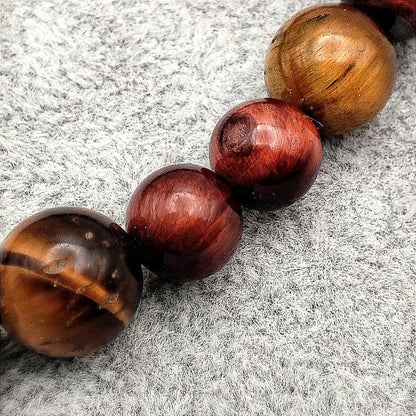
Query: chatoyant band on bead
x=68 y=273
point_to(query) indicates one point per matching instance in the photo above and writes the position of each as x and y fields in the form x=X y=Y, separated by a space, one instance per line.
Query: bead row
x=71 y=278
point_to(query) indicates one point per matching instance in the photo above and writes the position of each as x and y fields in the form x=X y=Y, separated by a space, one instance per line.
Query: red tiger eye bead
x=396 y=17
x=268 y=150
x=185 y=221
x=67 y=286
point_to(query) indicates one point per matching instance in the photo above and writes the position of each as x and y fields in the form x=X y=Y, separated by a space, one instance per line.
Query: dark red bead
x=185 y=221
x=397 y=18
x=268 y=150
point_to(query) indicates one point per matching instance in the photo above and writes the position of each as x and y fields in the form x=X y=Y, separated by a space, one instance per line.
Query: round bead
x=185 y=221
x=67 y=287
x=268 y=150
x=396 y=17
x=334 y=63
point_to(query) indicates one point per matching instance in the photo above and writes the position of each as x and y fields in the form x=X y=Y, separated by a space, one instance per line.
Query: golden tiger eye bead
x=334 y=63
x=67 y=286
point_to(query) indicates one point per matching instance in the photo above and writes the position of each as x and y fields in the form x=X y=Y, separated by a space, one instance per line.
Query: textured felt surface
x=314 y=315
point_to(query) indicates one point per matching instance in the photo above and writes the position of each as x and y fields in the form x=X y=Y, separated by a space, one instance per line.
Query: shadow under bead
x=68 y=282
x=335 y=64
x=185 y=221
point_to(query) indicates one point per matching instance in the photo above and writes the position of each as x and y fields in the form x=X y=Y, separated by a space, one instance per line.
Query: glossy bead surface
x=186 y=222
x=268 y=150
x=396 y=17
x=334 y=63
x=67 y=287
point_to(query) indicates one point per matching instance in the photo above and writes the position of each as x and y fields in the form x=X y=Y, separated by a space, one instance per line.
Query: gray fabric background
x=314 y=315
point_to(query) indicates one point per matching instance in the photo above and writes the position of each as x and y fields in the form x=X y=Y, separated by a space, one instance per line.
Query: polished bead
x=68 y=284
x=335 y=64
x=186 y=222
x=269 y=152
x=396 y=17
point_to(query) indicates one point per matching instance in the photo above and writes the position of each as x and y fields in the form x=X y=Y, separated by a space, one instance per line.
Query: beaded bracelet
x=71 y=278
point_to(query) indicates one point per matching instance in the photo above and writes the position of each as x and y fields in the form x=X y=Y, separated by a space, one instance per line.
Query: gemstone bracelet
x=71 y=278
